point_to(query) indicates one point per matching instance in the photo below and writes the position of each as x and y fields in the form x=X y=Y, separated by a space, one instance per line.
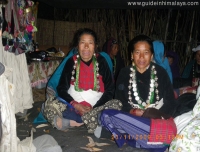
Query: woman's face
x=142 y=56
x=86 y=47
x=114 y=49
x=170 y=60
x=198 y=57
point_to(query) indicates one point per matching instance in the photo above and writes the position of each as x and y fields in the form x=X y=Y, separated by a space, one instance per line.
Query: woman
x=142 y=85
x=173 y=60
x=191 y=75
x=111 y=47
x=85 y=85
x=159 y=57
x=188 y=130
x=192 y=70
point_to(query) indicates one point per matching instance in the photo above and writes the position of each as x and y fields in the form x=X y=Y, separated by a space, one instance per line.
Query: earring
x=152 y=59
x=131 y=57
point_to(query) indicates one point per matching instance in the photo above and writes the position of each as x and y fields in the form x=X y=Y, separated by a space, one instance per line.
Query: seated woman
x=188 y=130
x=159 y=57
x=191 y=75
x=111 y=47
x=139 y=86
x=173 y=63
x=192 y=71
x=85 y=86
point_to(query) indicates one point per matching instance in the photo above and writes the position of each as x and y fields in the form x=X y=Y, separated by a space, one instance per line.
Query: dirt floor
x=73 y=140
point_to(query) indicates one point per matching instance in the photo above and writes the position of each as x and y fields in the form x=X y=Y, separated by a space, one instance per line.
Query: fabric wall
x=23 y=98
x=8 y=141
x=15 y=96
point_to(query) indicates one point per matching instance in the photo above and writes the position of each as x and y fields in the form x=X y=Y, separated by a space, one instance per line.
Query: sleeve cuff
x=73 y=103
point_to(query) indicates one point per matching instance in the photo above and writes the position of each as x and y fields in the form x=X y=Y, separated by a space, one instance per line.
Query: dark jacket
x=164 y=87
x=104 y=71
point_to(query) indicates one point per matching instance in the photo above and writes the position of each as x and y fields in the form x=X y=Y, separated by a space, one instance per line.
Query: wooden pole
x=188 y=48
x=176 y=30
x=166 y=29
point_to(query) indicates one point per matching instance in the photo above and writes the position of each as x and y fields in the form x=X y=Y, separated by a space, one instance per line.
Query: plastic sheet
x=46 y=143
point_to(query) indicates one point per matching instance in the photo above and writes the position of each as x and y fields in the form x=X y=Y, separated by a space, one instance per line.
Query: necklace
x=77 y=68
x=152 y=89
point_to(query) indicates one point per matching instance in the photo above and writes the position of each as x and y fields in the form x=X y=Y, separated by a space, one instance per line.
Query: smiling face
x=142 y=56
x=86 y=47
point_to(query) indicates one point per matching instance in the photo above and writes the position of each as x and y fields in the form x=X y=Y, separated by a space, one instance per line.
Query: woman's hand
x=136 y=112
x=155 y=114
x=82 y=109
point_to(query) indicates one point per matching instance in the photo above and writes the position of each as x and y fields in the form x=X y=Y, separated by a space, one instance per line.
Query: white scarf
x=89 y=96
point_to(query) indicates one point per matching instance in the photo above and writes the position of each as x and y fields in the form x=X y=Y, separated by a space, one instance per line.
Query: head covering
x=158 y=52
x=159 y=58
x=174 y=66
x=173 y=55
x=196 y=49
x=108 y=44
x=2 y=68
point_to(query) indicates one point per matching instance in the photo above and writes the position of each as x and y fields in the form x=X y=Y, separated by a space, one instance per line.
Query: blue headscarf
x=160 y=59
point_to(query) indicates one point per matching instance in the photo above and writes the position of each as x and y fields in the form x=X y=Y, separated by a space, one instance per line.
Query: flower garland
x=152 y=88
x=77 y=68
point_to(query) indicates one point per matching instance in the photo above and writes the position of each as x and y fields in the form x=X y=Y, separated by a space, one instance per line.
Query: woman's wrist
x=73 y=103
x=77 y=106
x=133 y=111
x=137 y=112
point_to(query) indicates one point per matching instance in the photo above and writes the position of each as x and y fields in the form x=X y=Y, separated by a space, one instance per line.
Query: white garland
x=152 y=87
x=76 y=84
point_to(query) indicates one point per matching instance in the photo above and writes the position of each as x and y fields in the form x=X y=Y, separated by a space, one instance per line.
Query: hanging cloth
x=9 y=11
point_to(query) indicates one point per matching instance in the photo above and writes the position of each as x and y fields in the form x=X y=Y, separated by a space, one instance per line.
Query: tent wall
x=178 y=29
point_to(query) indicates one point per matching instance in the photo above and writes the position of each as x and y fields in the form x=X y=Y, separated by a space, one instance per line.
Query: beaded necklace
x=77 y=68
x=152 y=88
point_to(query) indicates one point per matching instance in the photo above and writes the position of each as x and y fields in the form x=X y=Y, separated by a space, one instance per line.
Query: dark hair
x=169 y=56
x=108 y=45
x=136 y=39
x=79 y=33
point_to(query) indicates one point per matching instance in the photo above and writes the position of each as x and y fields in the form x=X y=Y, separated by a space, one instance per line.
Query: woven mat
x=38 y=95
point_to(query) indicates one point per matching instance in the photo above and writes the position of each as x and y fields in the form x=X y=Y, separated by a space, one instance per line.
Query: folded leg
x=128 y=128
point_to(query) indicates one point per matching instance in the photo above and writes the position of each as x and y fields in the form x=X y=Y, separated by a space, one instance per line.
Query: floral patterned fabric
x=39 y=72
x=188 y=140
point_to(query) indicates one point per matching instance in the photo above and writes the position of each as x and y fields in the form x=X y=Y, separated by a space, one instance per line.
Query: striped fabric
x=129 y=129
